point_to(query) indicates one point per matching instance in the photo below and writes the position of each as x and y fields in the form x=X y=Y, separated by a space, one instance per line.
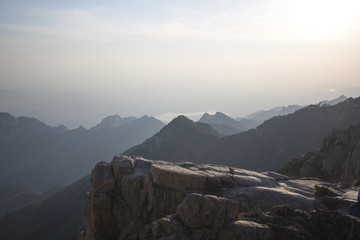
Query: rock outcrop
x=136 y=198
x=338 y=159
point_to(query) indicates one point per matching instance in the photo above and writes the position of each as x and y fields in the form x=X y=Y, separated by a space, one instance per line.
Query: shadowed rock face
x=338 y=159
x=132 y=198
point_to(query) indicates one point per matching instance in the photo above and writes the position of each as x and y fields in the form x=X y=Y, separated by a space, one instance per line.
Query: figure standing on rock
x=231 y=172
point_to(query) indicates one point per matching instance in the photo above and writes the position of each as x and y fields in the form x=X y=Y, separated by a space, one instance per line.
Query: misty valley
x=179 y=120
x=274 y=174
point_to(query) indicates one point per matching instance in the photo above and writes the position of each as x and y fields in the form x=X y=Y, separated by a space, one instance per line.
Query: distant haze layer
x=155 y=57
x=86 y=108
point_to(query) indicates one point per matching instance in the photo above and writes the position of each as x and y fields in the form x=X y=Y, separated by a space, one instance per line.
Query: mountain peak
x=180 y=120
x=218 y=117
x=5 y=115
x=332 y=102
x=223 y=123
x=6 y=120
x=147 y=117
x=262 y=115
x=220 y=114
x=177 y=136
x=113 y=121
x=338 y=100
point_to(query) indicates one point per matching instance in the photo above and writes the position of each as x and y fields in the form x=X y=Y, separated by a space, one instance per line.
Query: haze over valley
x=179 y=119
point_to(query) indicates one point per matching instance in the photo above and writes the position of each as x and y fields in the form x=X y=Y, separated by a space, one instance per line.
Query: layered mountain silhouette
x=113 y=121
x=226 y=125
x=334 y=101
x=263 y=115
x=39 y=157
x=180 y=139
x=267 y=147
x=12 y=128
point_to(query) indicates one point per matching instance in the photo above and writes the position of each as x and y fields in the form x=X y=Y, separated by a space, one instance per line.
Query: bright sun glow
x=322 y=18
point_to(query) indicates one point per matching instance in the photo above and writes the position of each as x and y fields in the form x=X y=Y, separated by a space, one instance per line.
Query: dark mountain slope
x=267 y=147
x=263 y=115
x=248 y=123
x=180 y=140
x=58 y=217
x=113 y=122
x=282 y=138
x=14 y=196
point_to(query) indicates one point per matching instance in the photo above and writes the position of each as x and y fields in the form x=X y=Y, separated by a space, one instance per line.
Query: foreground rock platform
x=137 y=198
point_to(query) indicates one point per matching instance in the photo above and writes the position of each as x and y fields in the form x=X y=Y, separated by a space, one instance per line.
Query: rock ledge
x=137 y=198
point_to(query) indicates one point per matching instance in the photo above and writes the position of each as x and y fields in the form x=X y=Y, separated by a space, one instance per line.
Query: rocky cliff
x=338 y=159
x=136 y=198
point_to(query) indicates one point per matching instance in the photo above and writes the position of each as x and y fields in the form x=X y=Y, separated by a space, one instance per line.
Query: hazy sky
x=158 y=56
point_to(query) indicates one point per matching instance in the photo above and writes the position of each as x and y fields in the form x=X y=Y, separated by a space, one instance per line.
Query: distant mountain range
x=180 y=139
x=24 y=127
x=36 y=156
x=334 y=101
x=39 y=157
x=267 y=147
x=226 y=125
x=263 y=115
x=113 y=122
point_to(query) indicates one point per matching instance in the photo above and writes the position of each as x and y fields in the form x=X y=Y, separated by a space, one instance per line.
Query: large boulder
x=137 y=198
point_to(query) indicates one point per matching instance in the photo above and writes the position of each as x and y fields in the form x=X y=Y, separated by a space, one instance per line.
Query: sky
x=79 y=61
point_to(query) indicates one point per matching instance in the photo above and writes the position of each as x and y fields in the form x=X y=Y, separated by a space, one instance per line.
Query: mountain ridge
x=225 y=124
x=64 y=156
x=263 y=115
x=175 y=134
x=272 y=143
